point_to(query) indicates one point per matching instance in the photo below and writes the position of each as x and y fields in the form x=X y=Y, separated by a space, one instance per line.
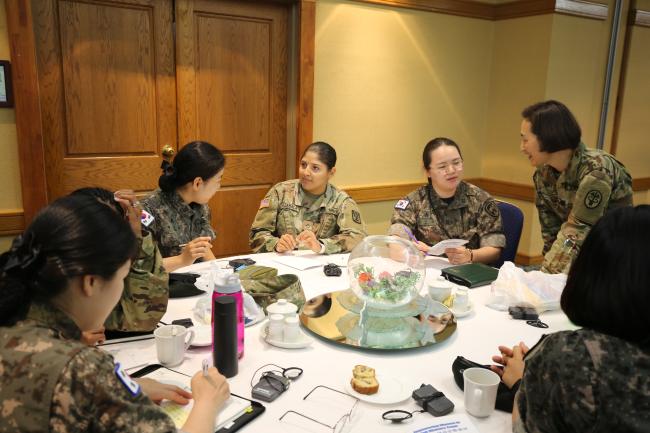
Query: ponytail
x=195 y=159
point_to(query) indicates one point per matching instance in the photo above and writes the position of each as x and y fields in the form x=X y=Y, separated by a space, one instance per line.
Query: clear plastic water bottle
x=226 y=284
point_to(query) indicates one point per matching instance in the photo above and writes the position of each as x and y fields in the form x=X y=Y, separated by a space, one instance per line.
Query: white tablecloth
x=476 y=338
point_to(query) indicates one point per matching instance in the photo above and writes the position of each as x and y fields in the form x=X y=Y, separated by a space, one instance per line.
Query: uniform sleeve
x=351 y=230
x=490 y=225
x=89 y=397
x=404 y=218
x=146 y=292
x=589 y=205
x=558 y=392
x=262 y=238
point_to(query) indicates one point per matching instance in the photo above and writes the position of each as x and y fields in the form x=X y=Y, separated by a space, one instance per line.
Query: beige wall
x=10 y=193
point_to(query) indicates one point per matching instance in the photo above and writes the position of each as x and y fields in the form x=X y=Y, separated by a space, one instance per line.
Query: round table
x=476 y=338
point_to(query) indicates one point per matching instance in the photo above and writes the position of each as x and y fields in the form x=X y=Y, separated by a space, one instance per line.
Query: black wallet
x=182 y=285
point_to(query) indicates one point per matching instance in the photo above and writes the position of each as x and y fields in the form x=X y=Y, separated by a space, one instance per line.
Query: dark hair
x=607 y=286
x=554 y=125
x=71 y=237
x=195 y=159
x=104 y=196
x=433 y=145
x=326 y=153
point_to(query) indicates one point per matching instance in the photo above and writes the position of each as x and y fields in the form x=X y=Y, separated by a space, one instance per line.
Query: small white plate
x=391 y=391
x=202 y=335
x=466 y=312
x=303 y=340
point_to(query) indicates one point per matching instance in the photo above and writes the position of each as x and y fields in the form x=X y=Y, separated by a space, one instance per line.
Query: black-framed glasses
x=344 y=424
x=291 y=373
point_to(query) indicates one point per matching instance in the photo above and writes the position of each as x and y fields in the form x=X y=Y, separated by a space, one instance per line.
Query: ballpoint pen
x=205 y=368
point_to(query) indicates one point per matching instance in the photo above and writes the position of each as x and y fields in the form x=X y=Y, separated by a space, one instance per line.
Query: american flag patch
x=402 y=204
x=264 y=203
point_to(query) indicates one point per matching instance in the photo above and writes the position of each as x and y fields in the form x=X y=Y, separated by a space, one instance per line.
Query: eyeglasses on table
x=344 y=424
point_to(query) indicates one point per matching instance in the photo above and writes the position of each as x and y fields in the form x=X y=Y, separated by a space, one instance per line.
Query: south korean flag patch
x=402 y=204
x=131 y=385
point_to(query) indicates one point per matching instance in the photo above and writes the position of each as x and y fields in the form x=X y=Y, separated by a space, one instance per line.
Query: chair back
x=513 y=221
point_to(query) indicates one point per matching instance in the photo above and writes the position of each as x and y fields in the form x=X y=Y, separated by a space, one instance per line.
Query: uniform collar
x=322 y=199
x=177 y=203
x=460 y=197
x=571 y=171
x=46 y=314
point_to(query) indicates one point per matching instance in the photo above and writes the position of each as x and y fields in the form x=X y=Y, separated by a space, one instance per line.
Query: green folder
x=471 y=274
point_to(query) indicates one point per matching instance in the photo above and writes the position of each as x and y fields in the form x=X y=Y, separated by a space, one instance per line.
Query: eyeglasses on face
x=444 y=167
x=345 y=422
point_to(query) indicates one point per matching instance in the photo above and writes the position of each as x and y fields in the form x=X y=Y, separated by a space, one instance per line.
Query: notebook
x=471 y=274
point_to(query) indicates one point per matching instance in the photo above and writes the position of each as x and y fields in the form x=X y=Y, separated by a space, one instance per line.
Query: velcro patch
x=131 y=385
x=593 y=199
x=146 y=218
x=356 y=217
x=264 y=203
x=402 y=204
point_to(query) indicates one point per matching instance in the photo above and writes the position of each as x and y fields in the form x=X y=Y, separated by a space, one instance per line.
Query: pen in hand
x=206 y=365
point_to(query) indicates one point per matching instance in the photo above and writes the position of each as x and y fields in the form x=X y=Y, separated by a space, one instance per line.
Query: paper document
x=446 y=424
x=439 y=248
x=231 y=409
x=296 y=262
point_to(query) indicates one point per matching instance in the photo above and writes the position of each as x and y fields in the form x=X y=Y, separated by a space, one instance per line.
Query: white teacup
x=440 y=289
x=461 y=299
x=171 y=343
x=480 y=389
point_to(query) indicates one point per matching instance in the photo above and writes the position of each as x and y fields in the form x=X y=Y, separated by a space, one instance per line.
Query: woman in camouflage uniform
x=574 y=185
x=597 y=378
x=449 y=208
x=63 y=276
x=308 y=212
x=181 y=227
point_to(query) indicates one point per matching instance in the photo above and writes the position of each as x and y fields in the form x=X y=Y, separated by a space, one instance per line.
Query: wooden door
x=232 y=92
x=107 y=88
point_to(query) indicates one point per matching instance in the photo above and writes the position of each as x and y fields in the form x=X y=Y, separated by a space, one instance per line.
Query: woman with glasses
x=449 y=208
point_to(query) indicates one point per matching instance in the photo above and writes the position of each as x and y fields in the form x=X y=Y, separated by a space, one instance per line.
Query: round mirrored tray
x=340 y=317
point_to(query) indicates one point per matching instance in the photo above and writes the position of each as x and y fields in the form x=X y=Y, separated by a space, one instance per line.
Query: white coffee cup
x=461 y=299
x=171 y=343
x=480 y=389
x=439 y=289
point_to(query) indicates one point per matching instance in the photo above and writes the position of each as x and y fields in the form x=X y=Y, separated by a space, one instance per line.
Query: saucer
x=391 y=390
x=466 y=312
x=303 y=340
x=202 y=335
x=254 y=321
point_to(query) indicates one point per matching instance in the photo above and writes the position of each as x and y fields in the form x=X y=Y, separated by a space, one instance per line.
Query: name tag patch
x=131 y=385
x=402 y=204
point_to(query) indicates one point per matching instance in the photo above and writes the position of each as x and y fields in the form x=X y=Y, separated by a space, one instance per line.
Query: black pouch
x=505 y=398
x=182 y=285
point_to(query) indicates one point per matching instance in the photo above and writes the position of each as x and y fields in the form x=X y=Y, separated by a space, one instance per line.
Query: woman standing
x=449 y=208
x=182 y=227
x=309 y=211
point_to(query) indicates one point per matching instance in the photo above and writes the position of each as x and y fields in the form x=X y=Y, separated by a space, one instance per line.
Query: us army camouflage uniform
x=176 y=222
x=584 y=381
x=49 y=381
x=472 y=215
x=570 y=203
x=334 y=218
x=146 y=292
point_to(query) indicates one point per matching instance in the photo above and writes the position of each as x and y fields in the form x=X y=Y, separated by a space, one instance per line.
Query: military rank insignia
x=402 y=204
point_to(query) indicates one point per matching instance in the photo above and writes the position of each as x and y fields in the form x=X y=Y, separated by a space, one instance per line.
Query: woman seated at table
x=595 y=379
x=449 y=208
x=63 y=276
x=182 y=227
x=146 y=287
x=308 y=212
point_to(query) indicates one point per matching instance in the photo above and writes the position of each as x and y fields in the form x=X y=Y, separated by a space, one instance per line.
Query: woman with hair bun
x=181 y=227
x=62 y=277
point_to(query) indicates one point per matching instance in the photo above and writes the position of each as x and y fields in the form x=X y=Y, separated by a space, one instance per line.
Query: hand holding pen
x=209 y=386
x=198 y=247
x=424 y=248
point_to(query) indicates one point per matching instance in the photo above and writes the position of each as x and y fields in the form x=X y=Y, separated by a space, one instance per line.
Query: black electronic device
x=523 y=312
x=238 y=263
x=432 y=400
x=270 y=386
x=332 y=270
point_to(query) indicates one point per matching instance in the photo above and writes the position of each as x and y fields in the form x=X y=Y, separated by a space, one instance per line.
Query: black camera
x=432 y=400
x=236 y=264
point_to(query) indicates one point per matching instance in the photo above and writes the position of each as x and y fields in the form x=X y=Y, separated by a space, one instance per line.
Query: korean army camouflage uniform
x=570 y=203
x=50 y=381
x=146 y=292
x=333 y=217
x=472 y=215
x=176 y=222
x=584 y=381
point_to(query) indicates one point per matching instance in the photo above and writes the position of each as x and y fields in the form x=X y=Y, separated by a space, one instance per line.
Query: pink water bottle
x=230 y=285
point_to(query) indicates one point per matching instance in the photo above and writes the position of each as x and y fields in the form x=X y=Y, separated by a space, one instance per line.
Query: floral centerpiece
x=385 y=271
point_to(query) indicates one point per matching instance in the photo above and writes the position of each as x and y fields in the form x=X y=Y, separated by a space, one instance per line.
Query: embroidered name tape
x=131 y=385
x=402 y=204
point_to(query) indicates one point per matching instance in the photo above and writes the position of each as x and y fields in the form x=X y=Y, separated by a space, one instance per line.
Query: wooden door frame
x=29 y=129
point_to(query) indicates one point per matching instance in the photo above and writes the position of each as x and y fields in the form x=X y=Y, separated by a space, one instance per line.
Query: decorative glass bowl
x=386 y=271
